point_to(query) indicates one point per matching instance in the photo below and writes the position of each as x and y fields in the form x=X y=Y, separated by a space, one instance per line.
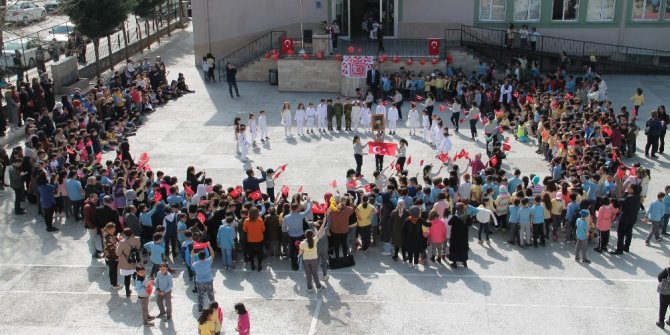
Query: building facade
x=222 y=26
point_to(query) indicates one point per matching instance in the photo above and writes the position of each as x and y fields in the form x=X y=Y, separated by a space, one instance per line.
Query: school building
x=223 y=26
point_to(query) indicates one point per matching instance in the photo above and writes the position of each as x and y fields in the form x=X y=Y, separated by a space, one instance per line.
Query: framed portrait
x=377 y=123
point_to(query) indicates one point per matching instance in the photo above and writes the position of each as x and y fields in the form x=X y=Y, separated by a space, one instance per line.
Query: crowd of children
x=587 y=190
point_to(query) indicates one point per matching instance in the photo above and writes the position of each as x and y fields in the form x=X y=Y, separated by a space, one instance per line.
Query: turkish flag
x=381 y=148
x=351 y=184
x=283 y=167
x=368 y=188
x=443 y=108
x=201 y=218
x=286 y=45
x=573 y=142
x=409 y=160
x=255 y=195
x=319 y=208
x=433 y=46
x=494 y=161
x=443 y=157
x=614 y=156
x=278 y=174
x=188 y=190
x=333 y=183
x=300 y=189
x=506 y=147
x=284 y=190
x=421 y=162
x=157 y=196
x=620 y=173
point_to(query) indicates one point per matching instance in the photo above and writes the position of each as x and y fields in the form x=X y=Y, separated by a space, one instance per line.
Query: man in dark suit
x=106 y=214
x=372 y=80
x=630 y=206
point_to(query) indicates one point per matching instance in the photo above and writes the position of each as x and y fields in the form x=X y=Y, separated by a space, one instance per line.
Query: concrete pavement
x=49 y=284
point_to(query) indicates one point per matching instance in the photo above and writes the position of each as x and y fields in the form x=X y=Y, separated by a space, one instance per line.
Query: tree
x=99 y=18
x=146 y=9
x=3 y=11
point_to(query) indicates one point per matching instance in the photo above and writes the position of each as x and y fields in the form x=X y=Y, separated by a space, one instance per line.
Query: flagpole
x=302 y=33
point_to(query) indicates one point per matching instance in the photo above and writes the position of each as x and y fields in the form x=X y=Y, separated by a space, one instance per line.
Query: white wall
x=233 y=21
x=438 y=11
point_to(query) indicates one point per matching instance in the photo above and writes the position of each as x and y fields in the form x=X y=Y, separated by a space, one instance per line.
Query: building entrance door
x=356 y=18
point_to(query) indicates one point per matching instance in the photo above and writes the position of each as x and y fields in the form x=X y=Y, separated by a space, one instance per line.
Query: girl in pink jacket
x=605 y=216
x=437 y=235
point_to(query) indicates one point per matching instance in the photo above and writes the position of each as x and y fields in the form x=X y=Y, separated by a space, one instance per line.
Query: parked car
x=52 y=5
x=29 y=50
x=62 y=33
x=24 y=12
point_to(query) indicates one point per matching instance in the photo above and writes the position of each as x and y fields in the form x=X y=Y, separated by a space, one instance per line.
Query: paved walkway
x=48 y=284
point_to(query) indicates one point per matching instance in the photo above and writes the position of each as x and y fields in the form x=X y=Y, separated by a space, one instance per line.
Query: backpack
x=134 y=257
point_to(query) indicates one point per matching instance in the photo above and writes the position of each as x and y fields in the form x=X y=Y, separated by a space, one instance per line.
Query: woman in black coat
x=414 y=242
x=386 y=223
x=458 y=241
x=665 y=119
x=664 y=300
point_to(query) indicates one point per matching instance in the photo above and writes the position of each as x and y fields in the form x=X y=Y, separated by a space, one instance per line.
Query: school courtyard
x=50 y=285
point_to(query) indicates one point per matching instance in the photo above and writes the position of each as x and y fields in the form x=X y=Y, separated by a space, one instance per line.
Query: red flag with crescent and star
x=381 y=148
x=286 y=45
x=433 y=46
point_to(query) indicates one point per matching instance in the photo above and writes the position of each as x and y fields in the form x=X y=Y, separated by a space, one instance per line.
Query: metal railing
x=417 y=47
x=493 y=42
x=38 y=43
x=251 y=51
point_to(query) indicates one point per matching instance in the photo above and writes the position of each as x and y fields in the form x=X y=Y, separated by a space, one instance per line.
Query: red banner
x=286 y=45
x=381 y=148
x=434 y=46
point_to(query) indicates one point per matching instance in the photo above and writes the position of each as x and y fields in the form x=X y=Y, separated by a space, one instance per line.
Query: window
x=527 y=10
x=667 y=11
x=565 y=10
x=492 y=10
x=645 y=10
x=600 y=10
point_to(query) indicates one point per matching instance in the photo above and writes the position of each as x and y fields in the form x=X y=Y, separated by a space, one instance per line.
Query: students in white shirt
x=413 y=120
x=425 y=123
x=392 y=117
x=365 y=117
x=252 y=127
x=205 y=68
x=243 y=142
x=310 y=114
x=286 y=119
x=263 y=125
x=381 y=109
x=300 y=116
x=322 y=114
x=356 y=115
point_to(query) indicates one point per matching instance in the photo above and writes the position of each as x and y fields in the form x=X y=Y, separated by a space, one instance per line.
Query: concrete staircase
x=257 y=70
x=463 y=60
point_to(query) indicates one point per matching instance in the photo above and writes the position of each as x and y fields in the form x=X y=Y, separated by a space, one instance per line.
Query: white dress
x=300 y=116
x=286 y=118
x=413 y=119
x=445 y=145
x=356 y=114
x=365 y=117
